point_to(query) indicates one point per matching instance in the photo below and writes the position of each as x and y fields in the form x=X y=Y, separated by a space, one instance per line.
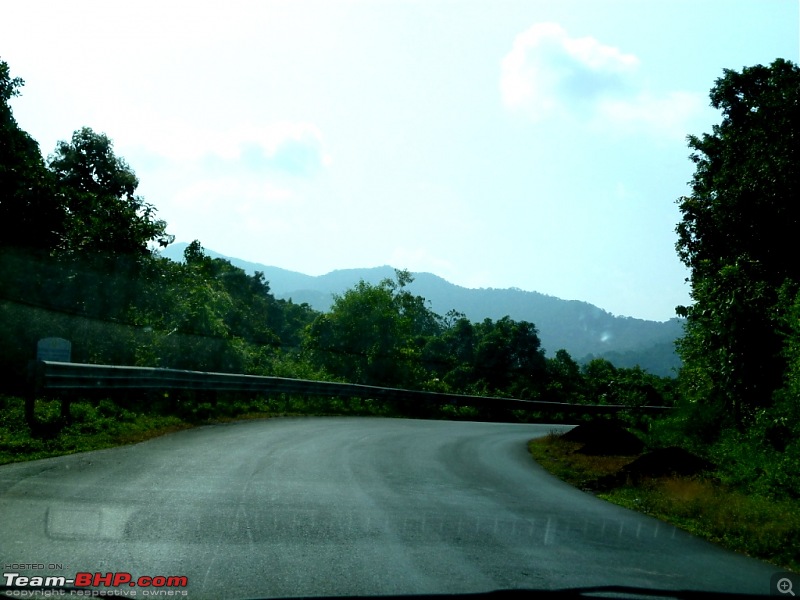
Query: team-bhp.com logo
x=85 y=580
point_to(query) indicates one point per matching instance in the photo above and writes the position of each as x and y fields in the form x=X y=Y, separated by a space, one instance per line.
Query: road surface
x=341 y=506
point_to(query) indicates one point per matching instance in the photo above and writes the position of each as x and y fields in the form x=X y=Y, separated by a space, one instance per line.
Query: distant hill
x=583 y=329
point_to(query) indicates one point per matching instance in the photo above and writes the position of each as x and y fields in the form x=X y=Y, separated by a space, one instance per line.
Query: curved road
x=342 y=506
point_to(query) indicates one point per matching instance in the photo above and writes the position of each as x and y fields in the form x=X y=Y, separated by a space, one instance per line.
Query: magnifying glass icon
x=785 y=586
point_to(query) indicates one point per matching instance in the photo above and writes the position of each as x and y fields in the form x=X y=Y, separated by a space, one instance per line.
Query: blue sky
x=530 y=144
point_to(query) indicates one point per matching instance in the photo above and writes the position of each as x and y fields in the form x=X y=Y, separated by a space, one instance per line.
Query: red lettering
x=117 y=579
x=104 y=579
x=177 y=581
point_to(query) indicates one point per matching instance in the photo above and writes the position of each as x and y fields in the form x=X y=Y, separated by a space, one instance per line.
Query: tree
x=98 y=189
x=30 y=218
x=600 y=378
x=450 y=356
x=509 y=357
x=564 y=379
x=374 y=334
x=735 y=230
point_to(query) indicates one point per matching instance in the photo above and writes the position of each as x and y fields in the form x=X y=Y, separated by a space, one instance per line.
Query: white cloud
x=666 y=115
x=547 y=69
x=550 y=75
x=294 y=147
x=225 y=211
x=210 y=195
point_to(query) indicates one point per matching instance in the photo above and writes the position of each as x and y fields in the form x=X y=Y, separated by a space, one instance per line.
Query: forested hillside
x=584 y=330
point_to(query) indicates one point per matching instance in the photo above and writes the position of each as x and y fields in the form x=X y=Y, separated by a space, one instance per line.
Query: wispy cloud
x=550 y=75
x=289 y=147
x=294 y=148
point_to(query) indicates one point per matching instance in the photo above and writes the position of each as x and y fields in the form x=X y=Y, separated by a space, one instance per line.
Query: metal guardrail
x=61 y=376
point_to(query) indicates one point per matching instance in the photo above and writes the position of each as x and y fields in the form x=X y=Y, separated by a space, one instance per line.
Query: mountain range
x=584 y=330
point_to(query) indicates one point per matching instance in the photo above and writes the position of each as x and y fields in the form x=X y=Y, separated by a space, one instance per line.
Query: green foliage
x=207 y=314
x=714 y=507
x=374 y=334
x=29 y=218
x=746 y=176
x=509 y=359
x=765 y=528
x=732 y=237
x=165 y=314
x=97 y=188
x=499 y=358
x=603 y=383
x=564 y=380
x=600 y=378
x=740 y=382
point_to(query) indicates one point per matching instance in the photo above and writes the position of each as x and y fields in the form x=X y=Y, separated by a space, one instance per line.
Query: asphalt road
x=342 y=506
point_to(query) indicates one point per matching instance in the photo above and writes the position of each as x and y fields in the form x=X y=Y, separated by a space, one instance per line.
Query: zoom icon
x=784 y=584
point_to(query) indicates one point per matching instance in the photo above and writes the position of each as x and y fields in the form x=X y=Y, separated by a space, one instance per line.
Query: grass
x=761 y=527
x=560 y=458
x=98 y=424
x=753 y=525
x=104 y=424
x=91 y=428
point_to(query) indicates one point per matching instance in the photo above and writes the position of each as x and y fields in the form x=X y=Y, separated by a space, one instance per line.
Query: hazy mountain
x=583 y=329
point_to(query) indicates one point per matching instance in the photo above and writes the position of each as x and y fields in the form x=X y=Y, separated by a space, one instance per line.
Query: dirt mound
x=624 y=444
x=666 y=462
x=592 y=431
x=604 y=438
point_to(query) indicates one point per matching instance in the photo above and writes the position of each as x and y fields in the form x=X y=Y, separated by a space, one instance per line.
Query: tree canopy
x=373 y=334
x=735 y=236
x=30 y=218
x=98 y=191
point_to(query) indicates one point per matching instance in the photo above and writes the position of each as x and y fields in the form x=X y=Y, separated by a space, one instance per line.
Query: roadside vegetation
x=737 y=400
x=105 y=423
x=79 y=260
x=94 y=425
x=764 y=526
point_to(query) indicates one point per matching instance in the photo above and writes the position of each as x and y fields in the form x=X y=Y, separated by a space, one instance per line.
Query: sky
x=532 y=144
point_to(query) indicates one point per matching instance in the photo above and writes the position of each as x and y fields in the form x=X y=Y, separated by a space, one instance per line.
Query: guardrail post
x=36 y=382
x=65 y=402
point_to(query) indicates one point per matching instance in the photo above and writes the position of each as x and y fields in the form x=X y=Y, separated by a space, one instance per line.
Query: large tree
x=374 y=334
x=30 y=219
x=737 y=236
x=509 y=358
x=104 y=214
